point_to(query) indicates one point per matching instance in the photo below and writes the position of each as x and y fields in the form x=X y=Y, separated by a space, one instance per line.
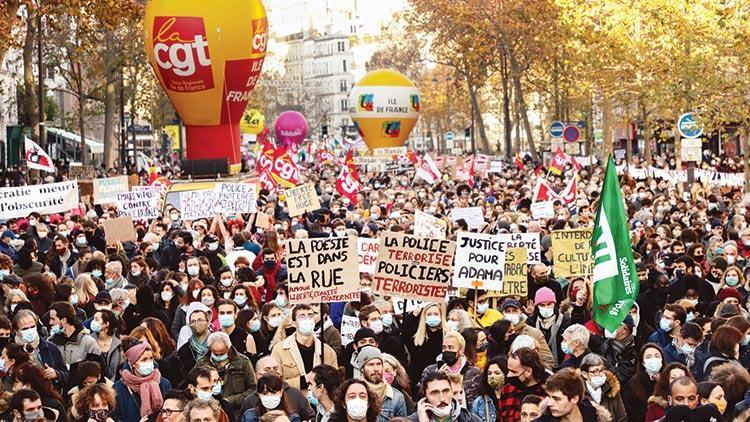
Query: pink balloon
x=291 y=129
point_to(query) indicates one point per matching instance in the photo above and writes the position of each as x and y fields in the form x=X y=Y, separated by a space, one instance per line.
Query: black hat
x=678 y=414
x=363 y=332
x=102 y=297
x=707 y=413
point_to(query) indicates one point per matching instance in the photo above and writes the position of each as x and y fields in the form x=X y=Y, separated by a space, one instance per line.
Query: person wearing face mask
x=268 y=365
x=272 y=397
x=370 y=317
x=234 y=368
x=321 y=391
x=683 y=348
x=391 y=401
x=549 y=321
x=453 y=361
x=575 y=345
x=652 y=300
x=139 y=272
x=60 y=258
x=422 y=334
x=43 y=241
x=620 y=348
x=142 y=380
x=272 y=273
x=113 y=278
x=479 y=305
x=512 y=312
x=673 y=317
x=493 y=379
x=355 y=403
x=68 y=334
x=302 y=343
x=143 y=308
x=203 y=382
x=25 y=405
x=602 y=386
x=439 y=403
x=214 y=252
x=192 y=345
x=339 y=228
x=227 y=281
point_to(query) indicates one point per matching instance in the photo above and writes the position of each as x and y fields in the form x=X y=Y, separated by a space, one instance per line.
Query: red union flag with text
x=181 y=53
x=428 y=171
x=284 y=171
x=346 y=185
x=557 y=165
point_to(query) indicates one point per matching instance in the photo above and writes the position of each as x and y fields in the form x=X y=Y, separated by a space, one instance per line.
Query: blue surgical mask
x=665 y=324
x=205 y=395
x=565 y=347
x=2 y=365
x=193 y=270
x=226 y=320
x=219 y=358
x=96 y=273
x=55 y=329
x=146 y=368
x=29 y=335
x=95 y=326
x=240 y=300
x=312 y=399
x=255 y=327
x=306 y=327
x=109 y=283
x=3 y=273
x=432 y=321
x=387 y=320
x=216 y=389
x=280 y=301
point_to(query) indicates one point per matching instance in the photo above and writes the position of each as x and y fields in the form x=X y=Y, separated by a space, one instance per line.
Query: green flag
x=615 y=276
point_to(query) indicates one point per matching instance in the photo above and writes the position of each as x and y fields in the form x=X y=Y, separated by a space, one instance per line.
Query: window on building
x=344 y=65
x=343 y=86
x=341 y=46
x=344 y=105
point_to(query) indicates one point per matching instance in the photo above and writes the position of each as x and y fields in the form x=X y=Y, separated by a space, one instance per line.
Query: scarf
x=596 y=393
x=378 y=389
x=199 y=347
x=147 y=389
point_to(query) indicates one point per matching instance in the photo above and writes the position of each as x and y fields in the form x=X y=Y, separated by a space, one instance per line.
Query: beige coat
x=292 y=367
x=544 y=353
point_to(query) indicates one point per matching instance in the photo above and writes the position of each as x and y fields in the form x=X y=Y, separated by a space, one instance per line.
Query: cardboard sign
x=368 y=254
x=426 y=225
x=474 y=216
x=198 y=204
x=515 y=282
x=106 y=190
x=49 y=198
x=81 y=172
x=119 y=230
x=140 y=205
x=542 y=209
x=571 y=251
x=411 y=305
x=496 y=167
x=414 y=267
x=263 y=220
x=530 y=241
x=236 y=198
x=349 y=327
x=323 y=270
x=302 y=199
x=480 y=261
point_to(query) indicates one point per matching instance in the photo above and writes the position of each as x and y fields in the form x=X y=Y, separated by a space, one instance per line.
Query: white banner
x=106 y=190
x=480 y=261
x=139 y=205
x=45 y=199
x=198 y=204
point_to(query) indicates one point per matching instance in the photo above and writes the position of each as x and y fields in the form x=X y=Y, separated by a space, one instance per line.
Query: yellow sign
x=386 y=107
x=571 y=251
x=173 y=131
x=515 y=282
x=252 y=121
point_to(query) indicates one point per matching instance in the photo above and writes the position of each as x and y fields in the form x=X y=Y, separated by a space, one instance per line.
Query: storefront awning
x=96 y=147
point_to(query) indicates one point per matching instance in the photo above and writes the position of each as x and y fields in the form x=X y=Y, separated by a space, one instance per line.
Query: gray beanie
x=367 y=354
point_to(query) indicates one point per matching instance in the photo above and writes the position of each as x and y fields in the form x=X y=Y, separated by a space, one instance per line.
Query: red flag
x=325 y=157
x=518 y=162
x=571 y=191
x=266 y=181
x=346 y=185
x=349 y=161
x=284 y=170
x=265 y=159
x=557 y=165
x=576 y=165
x=542 y=192
x=37 y=158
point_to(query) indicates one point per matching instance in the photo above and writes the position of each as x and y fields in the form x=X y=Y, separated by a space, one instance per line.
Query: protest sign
x=480 y=261
x=198 y=204
x=530 y=241
x=45 y=199
x=571 y=253
x=496 y=167
x=323 y=270
x=119 y=230
x=106 y=190
x=515 y=282
x=411 y=305
x=349 y=327
x=474 y=216
x=413 y=267
x=82 y=172
x=236 y=198
x=542 y=209
x=140 y=205
x=426 y=225
x=302 y=199
x=368 y=254
x=263 y=220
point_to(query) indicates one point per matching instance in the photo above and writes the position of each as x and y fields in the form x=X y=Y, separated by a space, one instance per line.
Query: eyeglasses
x=597 y=371
x=168 y=412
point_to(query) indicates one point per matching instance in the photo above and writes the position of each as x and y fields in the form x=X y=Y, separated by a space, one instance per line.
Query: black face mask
x=450 y=358
x=541 y=279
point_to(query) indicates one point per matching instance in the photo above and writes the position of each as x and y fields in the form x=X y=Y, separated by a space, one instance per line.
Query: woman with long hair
x=271 y=396
x=139 y=379
x=13 y=356
x=422 y=333
x=168 y=298
x=395 y=374
x=86 y=290
x=641 y=386
x=105 y=329
x=485 y=406
x=94 y=403
x=31 y=376
x=475 y=339
x=501 y=336
x=270 y=320
x=355 y=403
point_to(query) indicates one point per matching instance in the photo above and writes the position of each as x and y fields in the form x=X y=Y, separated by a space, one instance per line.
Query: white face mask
x=597 y=381
x=270 y=402
x=356 y=409
x=513 y=318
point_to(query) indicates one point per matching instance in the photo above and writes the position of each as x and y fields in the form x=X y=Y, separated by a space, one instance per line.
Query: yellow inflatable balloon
x=208 y=56
x=386 y=108
x=252 y=122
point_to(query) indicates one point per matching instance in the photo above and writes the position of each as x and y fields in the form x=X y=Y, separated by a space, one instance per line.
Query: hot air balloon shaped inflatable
x=208 y=56
x=386 y=108
x=290 y=128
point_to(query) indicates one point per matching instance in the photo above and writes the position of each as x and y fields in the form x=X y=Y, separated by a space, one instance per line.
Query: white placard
x=496 y=167
x=474 y=216
x=530 y=241
x=236 y=198
x=411 y=305
x=140 y=205
x=480 y=261
x=367 y=249
x=198 y=204
x=49 y=198
x=542 y=209
x=426 y=225
x=349 y=327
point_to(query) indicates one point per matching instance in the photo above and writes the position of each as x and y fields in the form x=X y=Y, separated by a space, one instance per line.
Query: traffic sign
x=688 y=127
x=449 y=136
x=556 y=129
x=572 y=134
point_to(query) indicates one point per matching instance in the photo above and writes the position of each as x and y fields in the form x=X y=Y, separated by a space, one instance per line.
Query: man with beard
x=539 y=277
x=439 y=404
x=652 y=300
x=392 y=402
x=526 y=375
x=619 y=349
x=198 y=316
x=61 y=257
